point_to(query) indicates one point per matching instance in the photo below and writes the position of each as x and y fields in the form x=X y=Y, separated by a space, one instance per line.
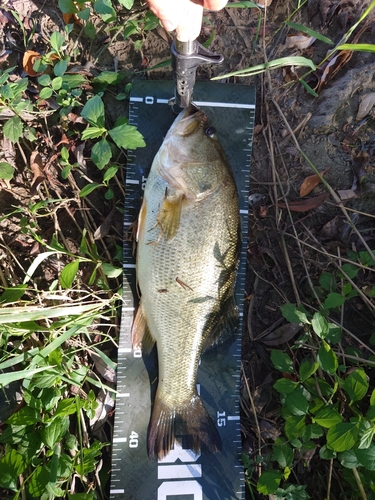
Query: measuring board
x=182 y=474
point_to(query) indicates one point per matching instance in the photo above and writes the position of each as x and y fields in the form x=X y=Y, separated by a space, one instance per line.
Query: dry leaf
x=305 y=205
x=310 y=183
x=333 y=66
x=36 y=165
x=105 y=406
x=105 y=227
x=282 y=334
x=29 y=58
x=103 y=369
x=299 y=41
x=365 y=106
x=346 y=194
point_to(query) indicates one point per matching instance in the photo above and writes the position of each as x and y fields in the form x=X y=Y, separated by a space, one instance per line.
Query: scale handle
x=191 y=22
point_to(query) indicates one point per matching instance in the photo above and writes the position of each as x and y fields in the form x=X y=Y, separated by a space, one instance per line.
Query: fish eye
x=210 y=131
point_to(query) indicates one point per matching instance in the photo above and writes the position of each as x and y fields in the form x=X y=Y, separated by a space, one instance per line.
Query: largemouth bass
x=187 y=255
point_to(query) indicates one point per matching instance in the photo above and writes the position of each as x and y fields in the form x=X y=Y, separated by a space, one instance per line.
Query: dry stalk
x=255 y=417
x=329 y=479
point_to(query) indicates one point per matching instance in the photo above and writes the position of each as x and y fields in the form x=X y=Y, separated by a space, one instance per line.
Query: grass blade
x=310 y=32
x=362 y=47
x=277 y=63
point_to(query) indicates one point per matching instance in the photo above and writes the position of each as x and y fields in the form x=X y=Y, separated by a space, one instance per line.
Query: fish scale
x=183 y=475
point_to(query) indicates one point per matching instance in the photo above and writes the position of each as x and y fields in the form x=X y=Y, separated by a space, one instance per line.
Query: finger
x=214 y=4
x=168 y=11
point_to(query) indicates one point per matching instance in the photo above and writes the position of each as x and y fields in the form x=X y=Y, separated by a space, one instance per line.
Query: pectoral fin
x=141 y=335
x=169 y=214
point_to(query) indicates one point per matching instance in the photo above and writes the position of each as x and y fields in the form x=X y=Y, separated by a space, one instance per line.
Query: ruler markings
x=131 y=208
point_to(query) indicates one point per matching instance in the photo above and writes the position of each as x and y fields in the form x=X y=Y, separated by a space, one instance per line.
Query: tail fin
x=192 y=424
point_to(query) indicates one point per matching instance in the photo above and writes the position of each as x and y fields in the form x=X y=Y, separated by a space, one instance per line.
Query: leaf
x=348 y=459
x=11 y=466
x=299 y=41
x=44 y=80
x=45 y=93
x=128 y=4
x=8 y=378
x=281 y=335
x=60 y=67
x=55 y=431
x=127 y=136
x=307 y=369
x=89 y=188
x=311 y=182
x=56 y=40
x=111 y=271
x=320 y=325
x=25 y=416
x=292 y=492
x=327 y=417
x=285 y=385
x=281 y=361
x=342 y=436
x=68 y=274
x=293 y=314
x=93 y=112
x=327 y=358
x=28 y=61
x=304 y=205
x=356 y=385
x=283 y=453
x=310 y=32
x=295 y=426
x=37 y=261
x=366 y=105
x=105 y=9
x=366 y=457
x=110 y=173
x=13 y=128
x=67 y=6
x=334 y=300
x=6 y=170
x=93 y=133
x=366 y=438
x=101 y=153
x=296 y=402
x=37 y=168
x=12 y=294
x=277 y=63
x=269 y=482
x=362 y=47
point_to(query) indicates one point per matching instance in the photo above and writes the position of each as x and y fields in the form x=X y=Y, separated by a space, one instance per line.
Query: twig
x=255 y=417
x=359 y=483
x=329 y=479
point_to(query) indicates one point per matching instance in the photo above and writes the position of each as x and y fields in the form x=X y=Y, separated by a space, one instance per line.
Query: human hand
x=184 y=15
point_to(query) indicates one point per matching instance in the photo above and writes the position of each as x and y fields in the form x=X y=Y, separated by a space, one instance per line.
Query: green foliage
x=325 y=407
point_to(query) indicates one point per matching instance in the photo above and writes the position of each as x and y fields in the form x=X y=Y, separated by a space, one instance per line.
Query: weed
x=326 y=408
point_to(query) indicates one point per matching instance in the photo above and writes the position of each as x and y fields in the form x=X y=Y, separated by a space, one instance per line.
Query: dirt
x=330 y=136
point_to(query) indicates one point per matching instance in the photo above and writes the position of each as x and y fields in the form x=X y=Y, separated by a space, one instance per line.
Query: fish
x=188 y=242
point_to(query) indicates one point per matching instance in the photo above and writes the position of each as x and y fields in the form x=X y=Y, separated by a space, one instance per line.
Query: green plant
x=122 y=134
x=326 y=407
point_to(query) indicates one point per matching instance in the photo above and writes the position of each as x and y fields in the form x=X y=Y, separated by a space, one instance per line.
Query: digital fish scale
x=183 y=474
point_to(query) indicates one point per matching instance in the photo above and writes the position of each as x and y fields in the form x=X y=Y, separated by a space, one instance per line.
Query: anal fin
x=169 y=214
x=141 y=335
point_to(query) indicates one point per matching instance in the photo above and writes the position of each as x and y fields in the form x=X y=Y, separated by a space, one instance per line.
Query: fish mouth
x=189 y=120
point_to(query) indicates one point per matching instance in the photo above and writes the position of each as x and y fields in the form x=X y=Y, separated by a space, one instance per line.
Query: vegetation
x=62 y=165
